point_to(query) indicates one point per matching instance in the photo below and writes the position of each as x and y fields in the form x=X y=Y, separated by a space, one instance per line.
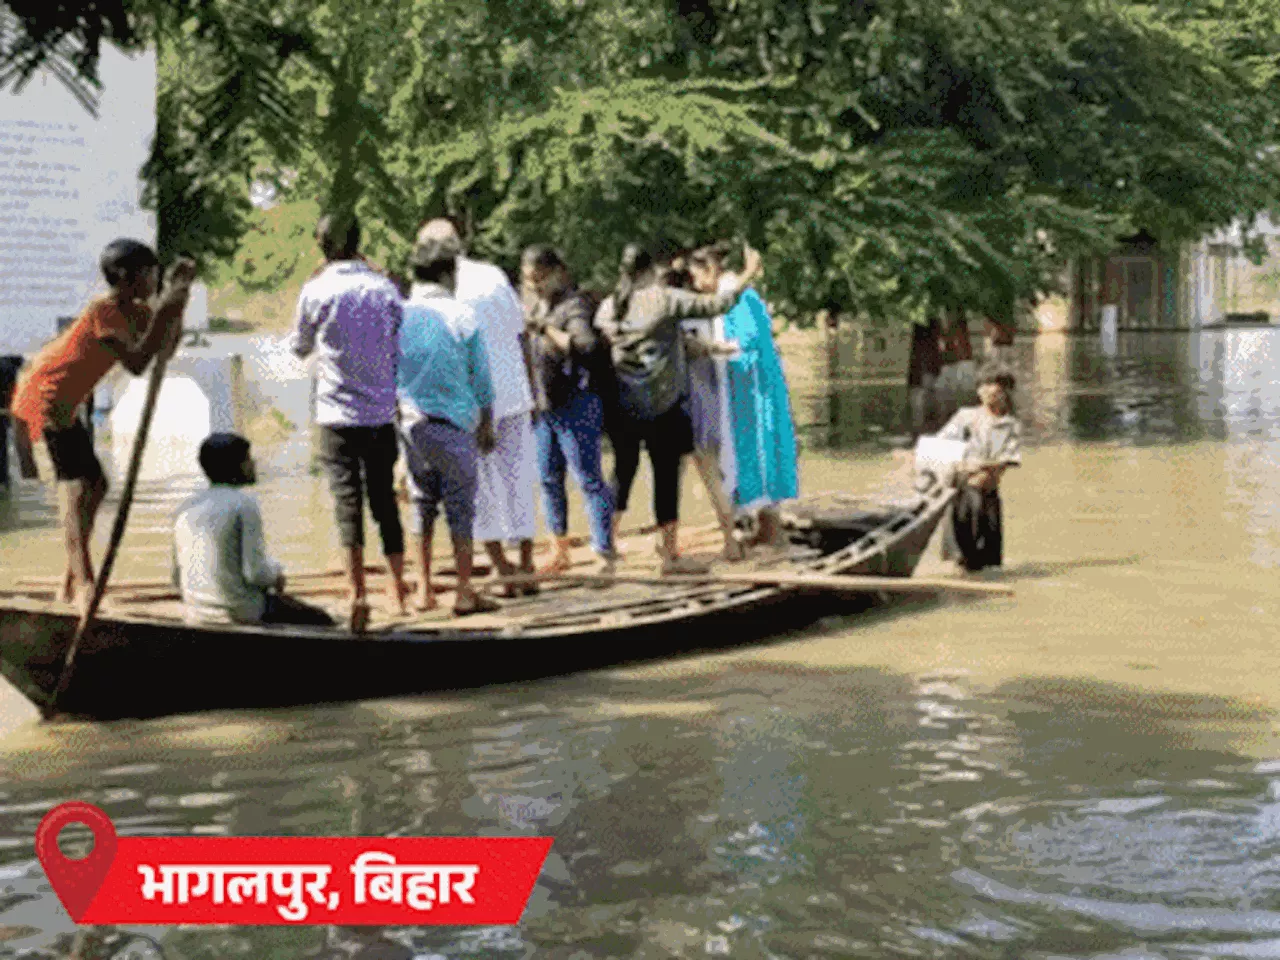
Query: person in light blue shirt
x=446 y=417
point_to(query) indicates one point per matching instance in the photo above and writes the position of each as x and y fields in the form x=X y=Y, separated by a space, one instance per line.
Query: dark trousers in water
x=975 y=535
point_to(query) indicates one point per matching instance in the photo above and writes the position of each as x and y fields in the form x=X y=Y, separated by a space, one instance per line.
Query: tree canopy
x=888 y=156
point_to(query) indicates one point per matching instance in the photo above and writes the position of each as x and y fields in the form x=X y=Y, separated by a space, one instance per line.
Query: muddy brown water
x=1086 y=770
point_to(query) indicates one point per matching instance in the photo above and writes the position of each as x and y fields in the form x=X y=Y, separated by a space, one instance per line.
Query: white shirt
x=485 y=289
x=220 y=560
x=350 y=317
x=988 y=438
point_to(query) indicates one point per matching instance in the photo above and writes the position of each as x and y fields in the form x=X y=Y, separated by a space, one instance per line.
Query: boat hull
x=134 y=669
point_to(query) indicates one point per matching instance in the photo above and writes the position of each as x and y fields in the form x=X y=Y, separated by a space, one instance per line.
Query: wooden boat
x=1232 y=320
x=140 y=660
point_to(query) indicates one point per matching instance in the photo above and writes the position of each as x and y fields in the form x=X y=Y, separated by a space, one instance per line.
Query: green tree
x=891 y=156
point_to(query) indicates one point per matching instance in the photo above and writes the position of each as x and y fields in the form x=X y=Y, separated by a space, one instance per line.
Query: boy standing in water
x=993 y=437
x=119 y=327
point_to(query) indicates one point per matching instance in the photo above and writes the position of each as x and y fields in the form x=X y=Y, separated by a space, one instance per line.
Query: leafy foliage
x=891 y=156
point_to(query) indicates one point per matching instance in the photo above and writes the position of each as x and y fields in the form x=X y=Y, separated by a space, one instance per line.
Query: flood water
x=1088 y=769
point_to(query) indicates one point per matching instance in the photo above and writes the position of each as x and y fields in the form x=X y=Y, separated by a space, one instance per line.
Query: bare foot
x=358 y=615
x=506 y=572
x=427 y=599
x=560 y=563
x=399 y=591
x=531 y=588
x=734 y=551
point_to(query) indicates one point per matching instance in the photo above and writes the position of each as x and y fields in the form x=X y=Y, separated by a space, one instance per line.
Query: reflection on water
x=1087 y=771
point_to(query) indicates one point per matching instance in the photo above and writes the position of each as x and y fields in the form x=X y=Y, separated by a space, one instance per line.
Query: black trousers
x=977 y=528
x=667 y=439
x=360 y=463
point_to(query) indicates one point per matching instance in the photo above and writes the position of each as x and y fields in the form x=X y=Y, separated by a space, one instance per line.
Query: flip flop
x=482 y=605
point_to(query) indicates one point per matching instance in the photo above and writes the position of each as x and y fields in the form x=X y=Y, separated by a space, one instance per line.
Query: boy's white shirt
x=989 y=439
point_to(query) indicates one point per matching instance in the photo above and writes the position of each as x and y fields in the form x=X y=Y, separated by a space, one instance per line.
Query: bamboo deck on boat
x=559 y=601
x=560 y=607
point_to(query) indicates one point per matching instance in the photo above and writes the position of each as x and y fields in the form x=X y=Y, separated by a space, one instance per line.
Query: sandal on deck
x=683 y=566
x=530 y=589
x=482 y=605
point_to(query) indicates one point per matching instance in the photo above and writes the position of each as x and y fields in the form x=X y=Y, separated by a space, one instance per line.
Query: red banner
x=277 y=881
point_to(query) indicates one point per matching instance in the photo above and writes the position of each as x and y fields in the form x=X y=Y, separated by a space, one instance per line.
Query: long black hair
x=637 y=263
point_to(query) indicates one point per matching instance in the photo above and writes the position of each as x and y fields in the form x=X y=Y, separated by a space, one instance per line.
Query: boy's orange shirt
x=66 y=371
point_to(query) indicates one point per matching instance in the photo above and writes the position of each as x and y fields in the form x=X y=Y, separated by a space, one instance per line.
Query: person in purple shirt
x=349 y=316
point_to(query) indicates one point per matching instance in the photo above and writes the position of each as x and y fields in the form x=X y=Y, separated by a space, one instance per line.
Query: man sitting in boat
x=993 y=438
x=220 y=559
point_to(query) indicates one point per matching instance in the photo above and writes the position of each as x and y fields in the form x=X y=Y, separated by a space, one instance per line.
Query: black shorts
x=71 y=451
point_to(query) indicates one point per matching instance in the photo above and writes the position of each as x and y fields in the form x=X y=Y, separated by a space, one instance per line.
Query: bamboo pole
x=117 y=529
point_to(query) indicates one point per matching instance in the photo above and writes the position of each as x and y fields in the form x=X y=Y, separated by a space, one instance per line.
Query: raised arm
x=165 y=331
x=684 y=305
x=579 y=337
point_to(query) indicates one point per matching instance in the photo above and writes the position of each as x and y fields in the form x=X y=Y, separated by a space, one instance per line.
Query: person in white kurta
x=508 y=475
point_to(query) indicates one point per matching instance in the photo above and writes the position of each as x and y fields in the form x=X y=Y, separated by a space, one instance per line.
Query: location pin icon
x=76 y=882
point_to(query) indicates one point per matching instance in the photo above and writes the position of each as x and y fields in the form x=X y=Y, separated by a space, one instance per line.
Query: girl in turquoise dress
x=761 y=461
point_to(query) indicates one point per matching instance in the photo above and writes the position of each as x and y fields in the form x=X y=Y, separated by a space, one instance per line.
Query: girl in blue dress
x=760 y=459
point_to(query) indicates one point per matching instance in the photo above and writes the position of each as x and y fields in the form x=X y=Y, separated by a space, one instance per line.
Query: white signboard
x=69 y=185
